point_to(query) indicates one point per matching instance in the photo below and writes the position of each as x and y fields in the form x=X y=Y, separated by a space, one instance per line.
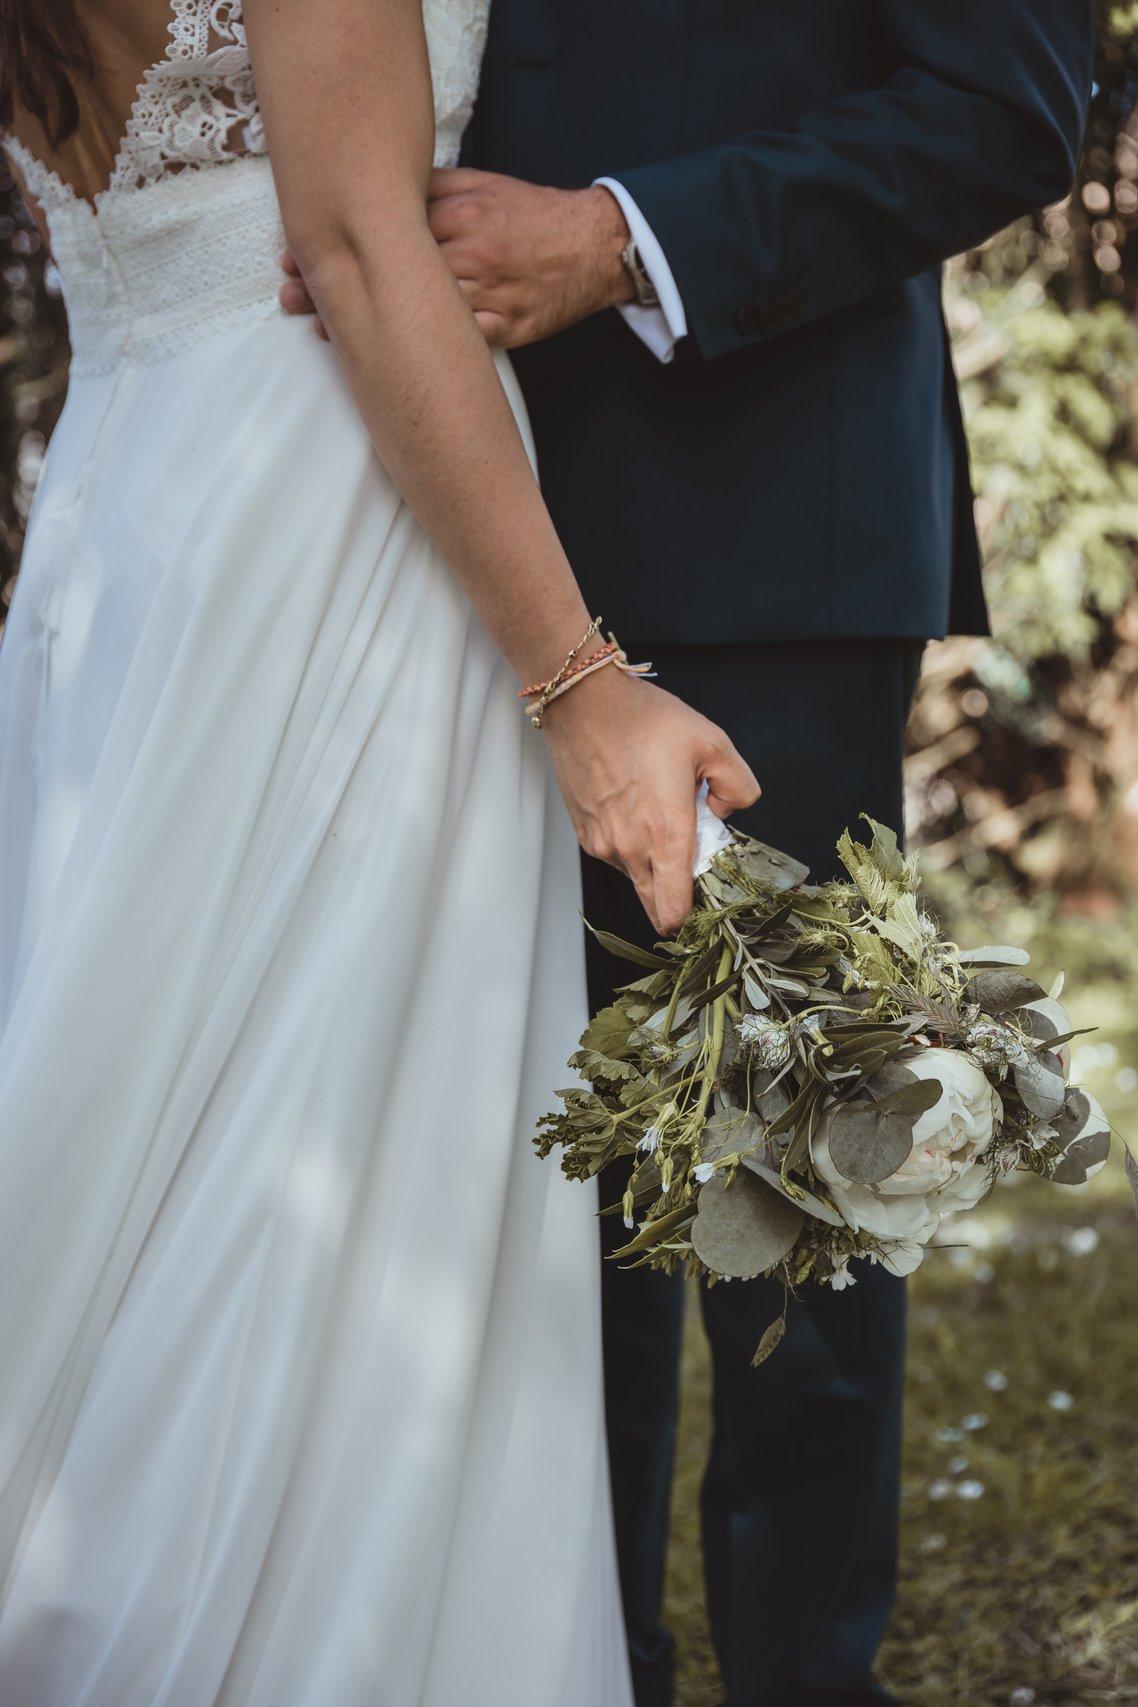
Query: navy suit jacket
x=800 y=470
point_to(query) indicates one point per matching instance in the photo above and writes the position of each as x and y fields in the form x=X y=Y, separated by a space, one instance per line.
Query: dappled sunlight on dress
x=302 y=1390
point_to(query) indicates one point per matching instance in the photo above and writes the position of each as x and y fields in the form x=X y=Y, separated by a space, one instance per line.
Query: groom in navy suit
x=713 y=231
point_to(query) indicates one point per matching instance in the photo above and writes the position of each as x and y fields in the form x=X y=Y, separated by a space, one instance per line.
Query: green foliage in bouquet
x=810 y=1074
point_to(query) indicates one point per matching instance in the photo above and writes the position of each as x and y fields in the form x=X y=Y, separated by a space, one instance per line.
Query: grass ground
x=1020 y=1531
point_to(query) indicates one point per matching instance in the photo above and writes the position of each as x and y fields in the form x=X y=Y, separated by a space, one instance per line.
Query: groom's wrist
x=607 y=236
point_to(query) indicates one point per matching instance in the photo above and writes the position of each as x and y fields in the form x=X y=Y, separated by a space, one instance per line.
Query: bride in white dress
x=300 y=1396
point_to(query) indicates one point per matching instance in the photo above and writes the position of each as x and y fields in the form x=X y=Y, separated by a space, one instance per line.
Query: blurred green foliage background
x=1020 y=1574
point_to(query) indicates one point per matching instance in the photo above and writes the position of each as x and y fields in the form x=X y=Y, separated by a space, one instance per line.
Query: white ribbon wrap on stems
x=711 y=834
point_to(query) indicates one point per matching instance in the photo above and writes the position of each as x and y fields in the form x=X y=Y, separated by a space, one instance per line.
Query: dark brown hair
x=42 y=49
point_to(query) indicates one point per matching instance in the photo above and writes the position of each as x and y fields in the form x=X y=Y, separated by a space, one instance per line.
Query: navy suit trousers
x=800 y=1495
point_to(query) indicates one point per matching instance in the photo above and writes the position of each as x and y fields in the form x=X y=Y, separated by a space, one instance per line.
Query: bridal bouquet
x=813 y=1073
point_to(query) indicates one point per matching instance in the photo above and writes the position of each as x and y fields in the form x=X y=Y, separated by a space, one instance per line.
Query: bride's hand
x=629 y=759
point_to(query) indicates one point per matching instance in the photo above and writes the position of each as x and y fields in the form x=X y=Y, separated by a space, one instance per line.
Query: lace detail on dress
x=198 y=106
x=456 y=40
x=170 y=253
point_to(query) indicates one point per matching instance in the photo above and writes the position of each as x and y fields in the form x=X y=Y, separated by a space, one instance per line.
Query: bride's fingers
x=672 y=887
x=731 y=783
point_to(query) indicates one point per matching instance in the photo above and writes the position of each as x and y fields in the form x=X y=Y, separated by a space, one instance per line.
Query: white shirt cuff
x=660 y=328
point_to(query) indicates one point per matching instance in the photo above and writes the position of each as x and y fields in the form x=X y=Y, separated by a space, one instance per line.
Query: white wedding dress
x=300 y=1390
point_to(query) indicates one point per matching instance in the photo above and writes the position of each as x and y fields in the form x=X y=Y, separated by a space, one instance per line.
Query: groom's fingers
x=456 y=181
x=495 y=328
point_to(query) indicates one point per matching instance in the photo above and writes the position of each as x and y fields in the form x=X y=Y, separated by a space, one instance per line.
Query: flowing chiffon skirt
x=300 y=1383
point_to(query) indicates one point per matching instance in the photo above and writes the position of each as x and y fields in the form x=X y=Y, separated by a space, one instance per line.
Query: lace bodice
x=163 y=264
x=198 y=106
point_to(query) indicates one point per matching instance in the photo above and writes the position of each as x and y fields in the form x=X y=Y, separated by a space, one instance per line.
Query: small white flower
x=703 y=1171
x=841 y=1277
x=993 y=1046
x=768 y=1041
x=650 y=1142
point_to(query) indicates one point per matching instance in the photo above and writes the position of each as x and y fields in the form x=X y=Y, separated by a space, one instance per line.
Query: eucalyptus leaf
x=892 y=1077
x=730 y=1129
x=770 y=1341
x=802 y=1198
x=913 y=1100
x=771 y=1100
x=1072 y=1117
x=1000 y=991
x=1132 y=1175
x=1080 y=1156
x=722 y=889
x=995 y=956
x=769 y=867
x=1038 y=1025
x=868 y=1143
x=744 y=1229
x=1039 y=1081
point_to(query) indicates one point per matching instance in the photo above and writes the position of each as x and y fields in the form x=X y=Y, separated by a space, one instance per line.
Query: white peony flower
x=942 y=1174
x=902 y=1258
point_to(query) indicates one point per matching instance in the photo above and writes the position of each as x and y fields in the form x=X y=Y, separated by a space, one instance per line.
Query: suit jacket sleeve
x=980 y=123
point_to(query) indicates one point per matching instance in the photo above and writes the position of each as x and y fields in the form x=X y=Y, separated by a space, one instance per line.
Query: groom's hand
x=529 y=260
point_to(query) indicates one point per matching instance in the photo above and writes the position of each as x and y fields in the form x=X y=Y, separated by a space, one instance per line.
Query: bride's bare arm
x=344 y=87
